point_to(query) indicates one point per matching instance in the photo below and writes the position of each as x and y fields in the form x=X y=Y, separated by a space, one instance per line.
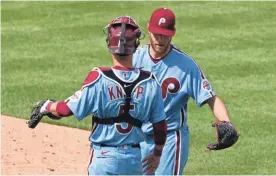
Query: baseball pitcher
x=180 y=79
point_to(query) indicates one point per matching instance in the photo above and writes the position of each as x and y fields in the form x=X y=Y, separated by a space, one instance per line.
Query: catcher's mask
x=123 y=35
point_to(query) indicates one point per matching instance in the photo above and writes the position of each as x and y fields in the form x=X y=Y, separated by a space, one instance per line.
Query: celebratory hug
x=139 y=105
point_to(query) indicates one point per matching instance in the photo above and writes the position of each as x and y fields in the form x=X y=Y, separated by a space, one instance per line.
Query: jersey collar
x=158 y=60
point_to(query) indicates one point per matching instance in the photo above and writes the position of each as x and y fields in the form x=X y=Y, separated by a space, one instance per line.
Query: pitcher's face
x=159 y=43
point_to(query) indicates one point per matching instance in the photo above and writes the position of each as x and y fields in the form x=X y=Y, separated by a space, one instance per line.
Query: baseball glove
x=36 y=114
x=227 y=136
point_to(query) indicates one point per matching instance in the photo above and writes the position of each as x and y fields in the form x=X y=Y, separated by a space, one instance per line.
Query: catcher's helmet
x=123 y=35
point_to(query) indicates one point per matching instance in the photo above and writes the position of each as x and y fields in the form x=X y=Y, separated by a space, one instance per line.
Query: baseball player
x=121 y=99
x=180 y=78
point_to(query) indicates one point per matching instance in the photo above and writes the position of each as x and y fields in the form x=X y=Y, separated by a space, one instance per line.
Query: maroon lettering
x=110 y=93
x=119 y=92
x=140 y=91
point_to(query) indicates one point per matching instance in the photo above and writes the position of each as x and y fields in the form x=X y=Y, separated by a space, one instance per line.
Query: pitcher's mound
x=47 y=149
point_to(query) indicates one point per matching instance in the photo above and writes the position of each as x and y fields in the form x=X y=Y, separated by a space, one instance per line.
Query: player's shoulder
x=147 y=74
x=183 y=58
x=149 y=77
x=144 y=72
x=93 y=76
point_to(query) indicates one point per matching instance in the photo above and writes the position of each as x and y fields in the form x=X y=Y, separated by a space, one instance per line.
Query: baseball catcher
x=226 y=136
x=120 y=100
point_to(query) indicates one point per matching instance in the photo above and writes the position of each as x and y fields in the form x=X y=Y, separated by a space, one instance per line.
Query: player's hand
x=151 y=163
x=43 y=110
x=38 y=111
x=227 y=136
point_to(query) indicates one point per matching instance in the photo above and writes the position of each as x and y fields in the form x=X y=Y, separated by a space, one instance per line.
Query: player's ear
x=107 y=39
x=137 y=43
x=148 y=30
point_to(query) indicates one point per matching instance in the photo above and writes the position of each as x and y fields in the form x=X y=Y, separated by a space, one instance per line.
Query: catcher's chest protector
x=128 y=88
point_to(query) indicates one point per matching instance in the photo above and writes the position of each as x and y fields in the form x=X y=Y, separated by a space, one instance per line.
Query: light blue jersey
x=104 y=97
x=180 y=78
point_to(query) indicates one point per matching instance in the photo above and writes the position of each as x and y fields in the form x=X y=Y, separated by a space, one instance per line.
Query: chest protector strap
x=128 y=88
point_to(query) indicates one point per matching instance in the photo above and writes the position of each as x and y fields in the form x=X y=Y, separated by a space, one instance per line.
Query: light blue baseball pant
x=175 y=152
x=121 y=160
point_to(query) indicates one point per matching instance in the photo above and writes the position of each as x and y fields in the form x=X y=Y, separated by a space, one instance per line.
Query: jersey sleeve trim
x=203 y=102
x=91 y=78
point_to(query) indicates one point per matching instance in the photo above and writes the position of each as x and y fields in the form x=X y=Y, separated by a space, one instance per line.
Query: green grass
x=49 y=47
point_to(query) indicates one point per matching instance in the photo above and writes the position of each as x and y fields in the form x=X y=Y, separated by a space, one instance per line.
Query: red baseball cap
x=162 y=21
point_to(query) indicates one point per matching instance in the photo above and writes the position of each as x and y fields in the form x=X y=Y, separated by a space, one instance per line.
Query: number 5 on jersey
x=129 y=127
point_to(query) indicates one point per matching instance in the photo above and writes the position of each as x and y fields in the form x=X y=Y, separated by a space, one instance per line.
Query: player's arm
x=151 y=162
x=202 y=92
x=58 y=108
x=160 y=134
x=218 y=108
x=159 y=123
x=78 y=104
x=51 y=108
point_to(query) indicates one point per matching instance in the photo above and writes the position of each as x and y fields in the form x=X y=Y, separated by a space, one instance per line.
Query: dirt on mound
x=47 y=149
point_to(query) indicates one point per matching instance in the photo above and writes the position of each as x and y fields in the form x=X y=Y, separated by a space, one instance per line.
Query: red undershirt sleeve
x=63 y=110
x=160 y=132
